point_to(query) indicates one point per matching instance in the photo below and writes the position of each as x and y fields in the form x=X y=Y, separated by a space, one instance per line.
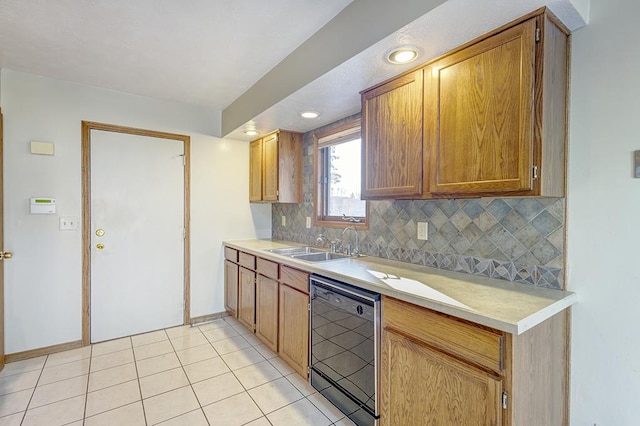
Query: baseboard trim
x=207 y=318
x=48 y=350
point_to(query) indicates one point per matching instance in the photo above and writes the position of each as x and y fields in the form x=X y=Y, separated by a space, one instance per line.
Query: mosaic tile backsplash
x=515 y=239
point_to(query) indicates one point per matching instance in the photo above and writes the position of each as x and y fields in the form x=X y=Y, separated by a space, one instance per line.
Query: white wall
x=604 y=217
x=43 y=282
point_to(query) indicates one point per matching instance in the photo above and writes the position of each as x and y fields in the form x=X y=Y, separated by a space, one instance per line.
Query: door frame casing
x=87 y=127
x=2 y=359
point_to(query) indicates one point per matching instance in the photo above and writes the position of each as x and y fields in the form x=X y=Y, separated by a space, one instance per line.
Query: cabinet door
x=392 y=155
x=231 y=287
x=247 y=298
x=267 y=311
x=420 y=385
x=294 y=329
x=270 y=168
x=255 y=170
x=479 y=115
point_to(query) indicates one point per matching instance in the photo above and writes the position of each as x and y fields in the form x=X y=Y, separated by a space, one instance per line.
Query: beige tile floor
x=214 y=374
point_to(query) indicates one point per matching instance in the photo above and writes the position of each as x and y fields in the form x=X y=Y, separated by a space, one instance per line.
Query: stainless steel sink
x=320 y=257
x=291 y=251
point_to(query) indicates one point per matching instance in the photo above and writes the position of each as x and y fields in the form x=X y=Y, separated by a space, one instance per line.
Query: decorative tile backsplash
x=516 y=239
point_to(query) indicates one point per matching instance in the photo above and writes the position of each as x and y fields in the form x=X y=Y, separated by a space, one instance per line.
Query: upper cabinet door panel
x=255 y=170
x=275 y=172
x=270 y=168
x=392 y=135
x=479 y=115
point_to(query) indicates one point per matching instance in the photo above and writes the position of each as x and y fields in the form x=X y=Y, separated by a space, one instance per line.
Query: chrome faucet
x=322 y=239
x=356 y=249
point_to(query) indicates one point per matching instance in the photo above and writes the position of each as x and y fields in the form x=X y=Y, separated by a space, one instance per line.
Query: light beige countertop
x=503 y=305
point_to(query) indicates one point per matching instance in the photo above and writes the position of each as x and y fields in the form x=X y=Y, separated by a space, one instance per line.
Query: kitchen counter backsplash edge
x=504 y=305
x=531 y=274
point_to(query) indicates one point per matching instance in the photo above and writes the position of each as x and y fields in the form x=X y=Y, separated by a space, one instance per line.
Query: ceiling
x=253 y=60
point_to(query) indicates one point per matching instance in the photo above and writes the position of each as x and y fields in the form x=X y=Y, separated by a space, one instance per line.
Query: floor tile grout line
x=243 y=386
x=189 y=380
x=24 y=413
x=135 y=364
x=253 y=344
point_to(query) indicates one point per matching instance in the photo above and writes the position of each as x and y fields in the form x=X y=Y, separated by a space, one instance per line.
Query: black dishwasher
x=345 y=339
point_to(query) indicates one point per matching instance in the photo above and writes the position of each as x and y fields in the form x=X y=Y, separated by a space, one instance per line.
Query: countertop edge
x=480 y=318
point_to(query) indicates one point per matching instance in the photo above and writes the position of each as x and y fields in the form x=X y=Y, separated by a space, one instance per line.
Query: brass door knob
x=6 y=255
x=100 y=232
x=100 y=246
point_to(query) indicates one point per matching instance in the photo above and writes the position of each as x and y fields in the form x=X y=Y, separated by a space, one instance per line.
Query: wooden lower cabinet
x=422 y=383
x=247 y=298
x=231 y=288
x=267 y=311
x=441 y=370
x=294 y=329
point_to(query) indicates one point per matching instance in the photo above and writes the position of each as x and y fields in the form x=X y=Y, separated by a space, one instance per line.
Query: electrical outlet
x=284 y=220
x=69 y=223
x=423 y=231
x=308 y=222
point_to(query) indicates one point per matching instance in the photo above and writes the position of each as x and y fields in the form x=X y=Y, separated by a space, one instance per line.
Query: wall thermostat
x=42 y=205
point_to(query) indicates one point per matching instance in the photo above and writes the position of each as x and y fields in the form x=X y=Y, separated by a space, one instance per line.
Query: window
x=338 y=175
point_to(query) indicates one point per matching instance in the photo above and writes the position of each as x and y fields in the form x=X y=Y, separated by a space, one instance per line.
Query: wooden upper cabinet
x=495 y=114
x=270 y=168
x=255 y=170
x=479 y=114
x=491 y=119
x=275 y=168
x=392 y=154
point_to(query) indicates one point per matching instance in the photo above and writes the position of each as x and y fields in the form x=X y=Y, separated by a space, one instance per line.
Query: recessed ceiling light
x=403 y=55
x=310 y=114
x=250 y=129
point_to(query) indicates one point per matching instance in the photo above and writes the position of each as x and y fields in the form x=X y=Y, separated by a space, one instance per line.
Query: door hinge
x=538 y=34
x=309 y=307
x=535 y=172
x=504 y=400
x=184 y=233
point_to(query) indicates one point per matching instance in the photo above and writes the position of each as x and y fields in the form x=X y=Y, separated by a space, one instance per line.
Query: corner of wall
x=213 y=120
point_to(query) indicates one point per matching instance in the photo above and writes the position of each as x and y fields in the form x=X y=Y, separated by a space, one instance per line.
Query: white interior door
x=137 y=265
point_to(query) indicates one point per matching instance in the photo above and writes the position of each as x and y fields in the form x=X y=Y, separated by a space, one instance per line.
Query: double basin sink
x=309 y=254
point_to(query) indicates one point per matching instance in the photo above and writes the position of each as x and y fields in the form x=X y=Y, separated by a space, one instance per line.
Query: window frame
x=319 y=192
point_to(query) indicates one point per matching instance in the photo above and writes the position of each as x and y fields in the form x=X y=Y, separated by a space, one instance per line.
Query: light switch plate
x=308 y=222
x=284 y=220
x=423 y=231
x=69 y=223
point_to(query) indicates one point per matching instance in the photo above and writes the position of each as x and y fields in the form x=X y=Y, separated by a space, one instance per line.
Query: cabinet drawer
x=231 y=254
x=478 y=344
x=247 y=260
x=294 y=278
x=267 y=268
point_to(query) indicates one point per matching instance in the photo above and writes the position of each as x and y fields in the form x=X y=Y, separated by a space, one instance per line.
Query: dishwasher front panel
x=344 y=347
